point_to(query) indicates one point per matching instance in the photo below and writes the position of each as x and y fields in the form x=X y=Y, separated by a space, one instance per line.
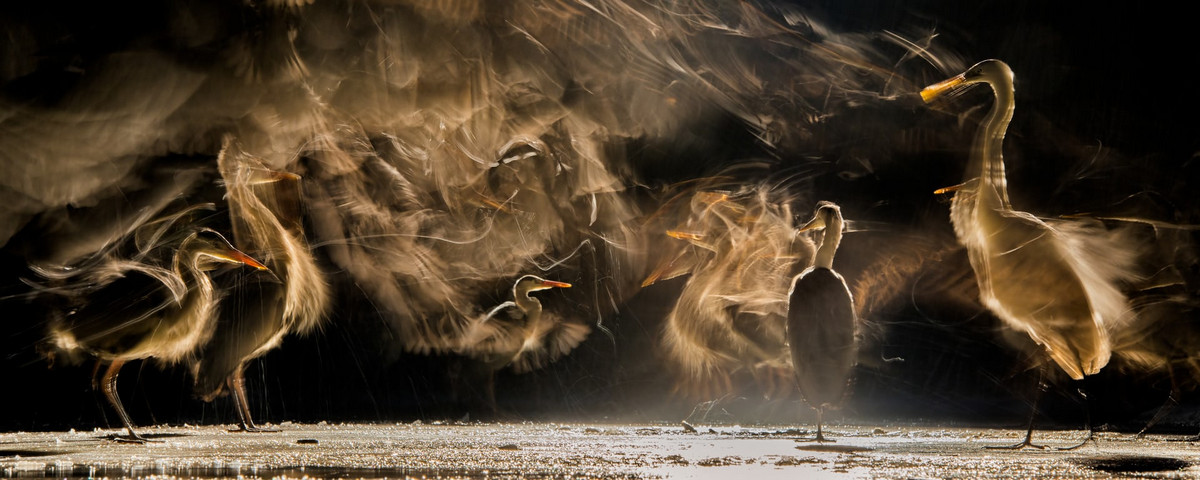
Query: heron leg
x=1028 y=441
x=237 y=385
x=820 y=438
x=1171 y=402
x=1091 y=430
x=820 y=431
x=109 y=384
x=490 y=393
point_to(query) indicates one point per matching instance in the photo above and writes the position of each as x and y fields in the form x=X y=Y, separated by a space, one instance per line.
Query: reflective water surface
x=546 y=450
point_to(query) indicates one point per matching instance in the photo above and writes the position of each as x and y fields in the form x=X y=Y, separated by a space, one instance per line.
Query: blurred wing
x=497 y=333
x=558 y=342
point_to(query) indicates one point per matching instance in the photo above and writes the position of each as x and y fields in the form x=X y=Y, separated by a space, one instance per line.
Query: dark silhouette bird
x=132 y=311
x=1057 y=280
x=258 y=311
x=821 y=325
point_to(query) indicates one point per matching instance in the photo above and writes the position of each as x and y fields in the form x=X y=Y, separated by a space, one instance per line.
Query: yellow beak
x=938 y=89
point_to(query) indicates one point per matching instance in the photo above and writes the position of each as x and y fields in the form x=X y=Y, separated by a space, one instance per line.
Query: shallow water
x=545 y=450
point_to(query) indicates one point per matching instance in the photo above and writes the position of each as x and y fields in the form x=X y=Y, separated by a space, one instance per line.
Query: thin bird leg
x=1028 y=442
x=237 y=384
x=1091 y=435
x=490 y=393
x=1171 y=402
x=820 y=431
x=109 y=385
x=820 y=428
x=96 y=374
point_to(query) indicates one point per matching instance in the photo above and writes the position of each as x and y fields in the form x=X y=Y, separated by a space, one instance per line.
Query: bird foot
x=254 y=429
x=1091 y=437
x=820 y=438
x=1027 y=443
x=135 y=439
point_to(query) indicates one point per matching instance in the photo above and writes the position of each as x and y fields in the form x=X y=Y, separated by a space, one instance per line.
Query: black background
x=1104 y=73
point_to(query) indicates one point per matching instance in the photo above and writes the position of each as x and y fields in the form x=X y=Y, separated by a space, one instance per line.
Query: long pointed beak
x=552 y=283
x=928 y=94
x=263 y=175
x=815 y=223
x=950 y=189
x=682 y=235
x=238 y=256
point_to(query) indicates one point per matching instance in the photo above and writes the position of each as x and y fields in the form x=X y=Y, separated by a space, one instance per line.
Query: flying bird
x=519 y=333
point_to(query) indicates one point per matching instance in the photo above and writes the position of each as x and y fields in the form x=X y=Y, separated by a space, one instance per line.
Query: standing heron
x=821 y=325
x=259 y=311
x=1057 y=280
x=136 y=311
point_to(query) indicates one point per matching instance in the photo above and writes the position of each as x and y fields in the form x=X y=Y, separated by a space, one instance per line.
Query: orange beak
x=928 y=94
x=945 y=190
x=682 y=235
x=552 y=283
x=246 y=259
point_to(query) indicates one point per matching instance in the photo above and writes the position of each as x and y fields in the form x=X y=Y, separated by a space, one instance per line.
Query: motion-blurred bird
x=1057 y=280
x=731 y=315
x=519 y=333
x=821 y=325
x=134 y=311
x=259 y=311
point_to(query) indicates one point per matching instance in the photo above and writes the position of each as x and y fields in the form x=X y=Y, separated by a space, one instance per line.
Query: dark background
x=1104 y=74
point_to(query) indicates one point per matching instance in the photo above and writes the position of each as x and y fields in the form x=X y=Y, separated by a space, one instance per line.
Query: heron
x=135 y=311
x=731 y=316
x=259 y=311
x=519 y=334
x=821 y=323
x=1057 y=280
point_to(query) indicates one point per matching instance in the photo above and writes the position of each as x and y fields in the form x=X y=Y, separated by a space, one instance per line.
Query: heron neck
x=989 y=142
x=529 y=305
x=829 y=243
x=196 y=283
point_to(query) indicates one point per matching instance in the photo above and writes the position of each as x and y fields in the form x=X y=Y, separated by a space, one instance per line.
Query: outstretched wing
x=561 y=339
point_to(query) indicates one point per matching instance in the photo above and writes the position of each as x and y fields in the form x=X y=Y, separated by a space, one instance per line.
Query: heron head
x=991 y=71
x=209 y=247
x=827 y=213
x=533 y=283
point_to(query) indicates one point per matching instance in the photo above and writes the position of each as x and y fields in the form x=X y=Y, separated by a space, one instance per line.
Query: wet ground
x=541 y=450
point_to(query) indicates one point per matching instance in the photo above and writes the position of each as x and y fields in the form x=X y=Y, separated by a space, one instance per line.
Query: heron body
x=143 y=311
x=1059 y=281
x=1056 y=280
x=822 y=326
x=742 y=253
x=259 y=311
x=821 y=335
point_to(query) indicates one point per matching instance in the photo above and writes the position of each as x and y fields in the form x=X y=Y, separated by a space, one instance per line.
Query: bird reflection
x=821 y=325
x=130 y=311
x=258 y=311
x=1057 y=280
